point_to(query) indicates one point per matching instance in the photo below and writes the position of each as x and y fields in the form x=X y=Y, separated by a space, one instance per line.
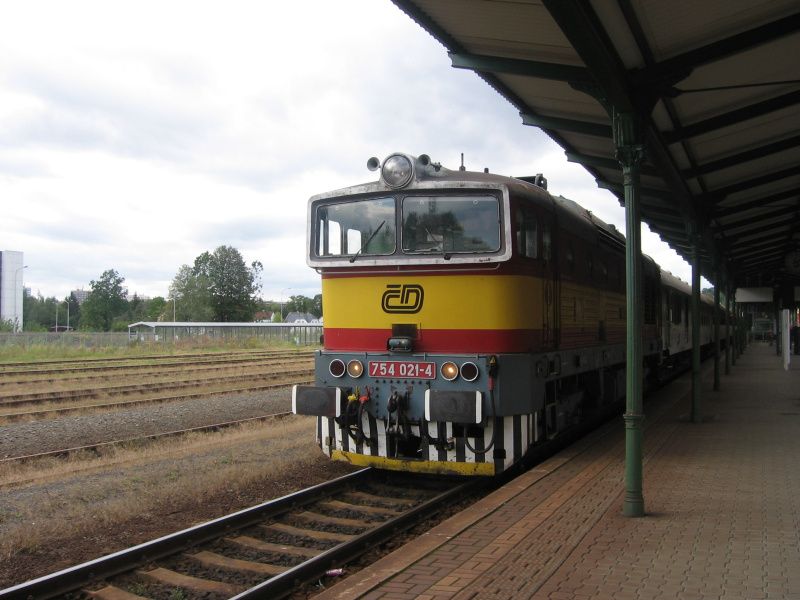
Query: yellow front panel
x=489 y=302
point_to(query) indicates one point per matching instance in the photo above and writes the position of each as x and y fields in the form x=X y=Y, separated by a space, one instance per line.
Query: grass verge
x=49 y=501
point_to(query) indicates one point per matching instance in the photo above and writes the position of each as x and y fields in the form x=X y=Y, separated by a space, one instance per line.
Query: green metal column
x=716 y=329
x=727 y=326
x=734 y=337
x=695 y=330
x=630 y=152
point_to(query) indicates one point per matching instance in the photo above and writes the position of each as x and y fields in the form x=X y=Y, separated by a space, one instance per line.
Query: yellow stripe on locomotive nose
x=445 y=302
x=415 y=466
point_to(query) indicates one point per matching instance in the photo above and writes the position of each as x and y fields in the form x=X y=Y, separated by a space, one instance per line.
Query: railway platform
x=722 y=501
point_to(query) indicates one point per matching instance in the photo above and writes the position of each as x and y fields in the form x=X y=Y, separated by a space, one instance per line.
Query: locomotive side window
x=686 y=312
x=650 y=300
x=675 y=308
x=449 y=224
x=527 y=233
x=365 y=227
x=547 y=244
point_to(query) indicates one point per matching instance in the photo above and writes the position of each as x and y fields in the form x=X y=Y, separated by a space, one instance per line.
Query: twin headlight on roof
x=468 y=371
x=398 y=170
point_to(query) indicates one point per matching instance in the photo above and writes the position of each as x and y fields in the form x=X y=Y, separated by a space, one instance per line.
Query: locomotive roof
x=426 y=172
x=430 y=173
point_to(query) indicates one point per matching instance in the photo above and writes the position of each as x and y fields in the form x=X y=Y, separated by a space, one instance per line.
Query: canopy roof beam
x=681 y=65
x=732 y=118
x=582 y=127
x=757 y=242
x=789 y=210
x=758 y=203
x=517 y=66
x=743 y=157
x=606 y=163
x=750 y=232
x=746 y=249
x=720 y=193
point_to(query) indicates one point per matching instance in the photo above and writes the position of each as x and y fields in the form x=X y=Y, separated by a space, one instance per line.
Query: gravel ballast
x=70 y=431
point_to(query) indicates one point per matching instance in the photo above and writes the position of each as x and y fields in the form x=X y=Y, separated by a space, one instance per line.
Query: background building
x=80 y=295
x=11 y=279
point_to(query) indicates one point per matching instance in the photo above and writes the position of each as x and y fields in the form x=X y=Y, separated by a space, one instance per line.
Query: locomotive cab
x=441 y=310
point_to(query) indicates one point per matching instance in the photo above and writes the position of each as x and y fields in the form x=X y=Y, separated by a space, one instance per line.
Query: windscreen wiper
x=369 y=239
x=439 y=249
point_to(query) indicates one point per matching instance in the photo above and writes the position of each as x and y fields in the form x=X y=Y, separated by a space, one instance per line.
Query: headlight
x=469 y=371
x=397 y=171
x=355 y=368
x=336 y=367
x=449 y=371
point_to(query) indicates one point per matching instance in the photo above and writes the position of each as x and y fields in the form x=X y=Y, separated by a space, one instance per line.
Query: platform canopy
x=715 y=83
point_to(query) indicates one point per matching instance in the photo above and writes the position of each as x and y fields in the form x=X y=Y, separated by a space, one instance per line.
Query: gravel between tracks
x=19 y=439
x=84 y=511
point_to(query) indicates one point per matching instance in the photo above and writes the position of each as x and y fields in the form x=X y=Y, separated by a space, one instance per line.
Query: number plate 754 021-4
x=407 y=370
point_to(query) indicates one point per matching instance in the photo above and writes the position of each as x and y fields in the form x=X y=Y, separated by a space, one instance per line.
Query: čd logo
x=406 y=298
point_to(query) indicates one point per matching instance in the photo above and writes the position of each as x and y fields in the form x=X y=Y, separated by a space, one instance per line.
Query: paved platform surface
x=722 y=499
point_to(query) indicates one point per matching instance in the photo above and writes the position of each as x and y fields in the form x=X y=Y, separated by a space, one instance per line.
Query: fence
x=67 y=340
x=298 y=334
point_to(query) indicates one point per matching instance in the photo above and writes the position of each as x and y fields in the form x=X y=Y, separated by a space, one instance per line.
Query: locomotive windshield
x=428 y=225
x=451 y=224
x=365 y=227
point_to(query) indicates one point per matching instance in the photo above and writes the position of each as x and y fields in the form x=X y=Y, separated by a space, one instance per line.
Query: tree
x=189 y=297
x=105 y=302
x=233 y=285
x=155 y=308
x=317 y=309
x=74 y=311
x=40 y=312
x=300 y=303
x=219 y=287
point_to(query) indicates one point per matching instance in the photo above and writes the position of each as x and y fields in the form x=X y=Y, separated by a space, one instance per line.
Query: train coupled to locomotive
x=387 y=409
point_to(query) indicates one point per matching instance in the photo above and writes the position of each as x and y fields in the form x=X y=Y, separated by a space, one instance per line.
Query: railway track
x=142 y=401
x=36 y=368
x=97 y=448
x=151 y=358
x=23 y=398
x=266 y=551
x=161 y=369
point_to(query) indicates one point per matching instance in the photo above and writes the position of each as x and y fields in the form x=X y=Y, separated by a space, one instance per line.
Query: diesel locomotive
x=470 y=316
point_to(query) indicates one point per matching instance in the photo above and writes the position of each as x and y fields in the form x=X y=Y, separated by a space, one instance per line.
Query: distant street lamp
x=57 y=305
x=174 y=303
x=17 y=326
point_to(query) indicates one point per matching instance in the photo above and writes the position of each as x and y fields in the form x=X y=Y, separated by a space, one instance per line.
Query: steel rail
x=79 y=367
x=74 y=578
x=129 y=388
x=130 y=403
x=153 y=436
x=284 y=584
x=97 y=360
x=99 y=373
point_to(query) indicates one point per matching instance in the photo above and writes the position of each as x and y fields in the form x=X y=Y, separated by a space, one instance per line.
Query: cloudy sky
x=135 y=136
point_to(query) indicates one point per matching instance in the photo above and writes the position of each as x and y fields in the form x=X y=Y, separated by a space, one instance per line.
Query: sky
x=135 y=136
